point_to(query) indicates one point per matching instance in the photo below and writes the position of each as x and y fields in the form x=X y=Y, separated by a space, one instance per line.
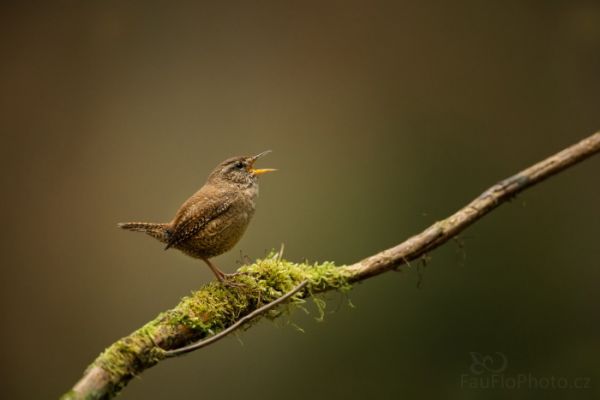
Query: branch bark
x=214 y=308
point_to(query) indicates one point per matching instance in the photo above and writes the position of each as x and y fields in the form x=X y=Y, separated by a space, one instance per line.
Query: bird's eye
x=239 y=165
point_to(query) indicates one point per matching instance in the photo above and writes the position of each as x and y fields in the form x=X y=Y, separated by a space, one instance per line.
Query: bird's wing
x=196 y=217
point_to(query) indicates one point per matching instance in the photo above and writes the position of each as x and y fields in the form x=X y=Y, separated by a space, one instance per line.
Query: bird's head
x=239 y=170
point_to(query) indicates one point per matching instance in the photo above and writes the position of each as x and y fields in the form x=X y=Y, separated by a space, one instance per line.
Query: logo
x=490 y=371
x=487 y=363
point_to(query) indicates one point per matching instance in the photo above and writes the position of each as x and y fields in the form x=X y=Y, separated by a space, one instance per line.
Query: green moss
x=71 y=394
x=215 y=307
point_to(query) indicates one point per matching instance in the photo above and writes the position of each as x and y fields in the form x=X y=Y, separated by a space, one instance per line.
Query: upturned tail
x=156 y=230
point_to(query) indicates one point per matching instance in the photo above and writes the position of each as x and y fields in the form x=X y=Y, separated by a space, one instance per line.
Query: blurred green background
x=383 y=116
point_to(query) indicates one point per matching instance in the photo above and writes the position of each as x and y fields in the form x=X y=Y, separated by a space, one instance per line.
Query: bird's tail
x=156 y=230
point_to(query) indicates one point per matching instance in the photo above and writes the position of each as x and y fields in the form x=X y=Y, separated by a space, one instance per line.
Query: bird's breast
x=222 y=233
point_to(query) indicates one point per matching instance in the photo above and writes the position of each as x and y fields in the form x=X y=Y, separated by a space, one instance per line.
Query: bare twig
x=194 y=318
x=442 y=231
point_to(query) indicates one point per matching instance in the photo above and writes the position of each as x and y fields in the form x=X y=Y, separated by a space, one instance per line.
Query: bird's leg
x=218 y=273
x=221 y=276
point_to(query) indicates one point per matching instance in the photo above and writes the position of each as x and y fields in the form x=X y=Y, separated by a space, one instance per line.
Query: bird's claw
x=229 y=280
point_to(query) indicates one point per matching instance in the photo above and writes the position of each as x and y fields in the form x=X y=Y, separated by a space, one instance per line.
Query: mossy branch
x=214 y=308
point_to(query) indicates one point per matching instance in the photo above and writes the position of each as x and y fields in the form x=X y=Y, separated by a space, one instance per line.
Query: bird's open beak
x=255 y=171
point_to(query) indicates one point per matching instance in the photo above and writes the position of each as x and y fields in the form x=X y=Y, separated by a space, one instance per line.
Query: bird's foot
x=230 y=281
x=225 y=279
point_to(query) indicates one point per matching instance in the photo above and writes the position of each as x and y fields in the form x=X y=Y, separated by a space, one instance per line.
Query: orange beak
x=261 y=171
x=255 y=171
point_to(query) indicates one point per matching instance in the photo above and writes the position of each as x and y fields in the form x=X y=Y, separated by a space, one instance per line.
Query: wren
x=214 y=218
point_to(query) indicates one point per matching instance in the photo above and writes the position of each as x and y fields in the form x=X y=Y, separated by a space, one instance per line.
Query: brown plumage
x=214 y=218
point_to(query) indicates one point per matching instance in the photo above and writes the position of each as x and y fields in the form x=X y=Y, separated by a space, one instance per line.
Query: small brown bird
x=214 y=219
